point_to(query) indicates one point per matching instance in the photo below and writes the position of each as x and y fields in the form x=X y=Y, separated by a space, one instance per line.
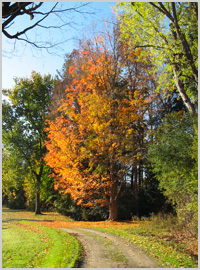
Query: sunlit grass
x=8 y=214
x=28 y=244
x=21 y=247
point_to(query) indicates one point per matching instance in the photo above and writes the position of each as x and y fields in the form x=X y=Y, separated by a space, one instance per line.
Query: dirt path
x=105 y=250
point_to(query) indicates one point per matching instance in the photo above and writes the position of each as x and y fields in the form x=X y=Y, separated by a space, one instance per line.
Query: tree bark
x=113 y=202
x=132 y=174
x=113 y=210
x=136 y=191
x=182 y=92
x=37 y=203
x=37 y=195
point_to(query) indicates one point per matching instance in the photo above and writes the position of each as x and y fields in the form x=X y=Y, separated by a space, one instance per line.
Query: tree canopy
x=90 y=145
x=24 y=119
x=169 y=32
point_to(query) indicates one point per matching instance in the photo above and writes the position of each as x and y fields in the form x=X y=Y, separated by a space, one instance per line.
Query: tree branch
x=28 y=28
x=180 y=87
x=184 y=43
x=11 y=11
x=195 y=7
x=12 y=14
x=182 y=38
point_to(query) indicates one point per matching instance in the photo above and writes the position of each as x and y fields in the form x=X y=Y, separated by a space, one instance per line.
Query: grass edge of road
x=40 y=251
x=168 y=254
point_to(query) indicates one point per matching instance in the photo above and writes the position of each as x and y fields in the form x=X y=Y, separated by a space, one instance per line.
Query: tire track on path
x=104 y=250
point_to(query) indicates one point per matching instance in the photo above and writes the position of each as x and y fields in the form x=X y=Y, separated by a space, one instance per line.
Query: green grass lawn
x=26 y=244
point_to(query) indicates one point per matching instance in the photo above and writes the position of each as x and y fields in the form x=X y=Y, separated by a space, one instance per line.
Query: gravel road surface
x=104 y=250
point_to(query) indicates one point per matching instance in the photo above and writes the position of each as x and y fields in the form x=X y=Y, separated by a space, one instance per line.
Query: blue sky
x=21 y=59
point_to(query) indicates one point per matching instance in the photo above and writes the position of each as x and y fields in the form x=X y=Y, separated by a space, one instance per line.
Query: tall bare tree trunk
x=132 y=174
x=113 y=202
x=37 y=196
x=37 y=203
x=136 y=191
x=184 y=96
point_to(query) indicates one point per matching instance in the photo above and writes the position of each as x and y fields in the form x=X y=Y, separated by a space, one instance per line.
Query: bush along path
x=103 y=250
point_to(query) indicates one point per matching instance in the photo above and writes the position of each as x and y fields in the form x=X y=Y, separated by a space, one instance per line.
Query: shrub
x=175 y=162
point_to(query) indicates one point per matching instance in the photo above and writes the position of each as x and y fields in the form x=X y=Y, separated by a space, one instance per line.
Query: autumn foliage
x=100 y=126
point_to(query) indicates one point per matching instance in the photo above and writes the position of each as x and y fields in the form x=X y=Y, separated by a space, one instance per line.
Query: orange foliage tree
x=91 y=138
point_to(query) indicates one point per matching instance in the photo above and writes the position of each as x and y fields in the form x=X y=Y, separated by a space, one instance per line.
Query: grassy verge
x=26 y=244
x=167 y=252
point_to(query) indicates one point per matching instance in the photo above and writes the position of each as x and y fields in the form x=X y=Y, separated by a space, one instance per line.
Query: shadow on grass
x=20 y=210
x=13 y=210
x=26 y=219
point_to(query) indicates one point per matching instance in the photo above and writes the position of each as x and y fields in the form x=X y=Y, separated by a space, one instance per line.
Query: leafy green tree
x=24 y=120
x=13 y=175
x=174 y=158
x=48 y=194
x=168 y=31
